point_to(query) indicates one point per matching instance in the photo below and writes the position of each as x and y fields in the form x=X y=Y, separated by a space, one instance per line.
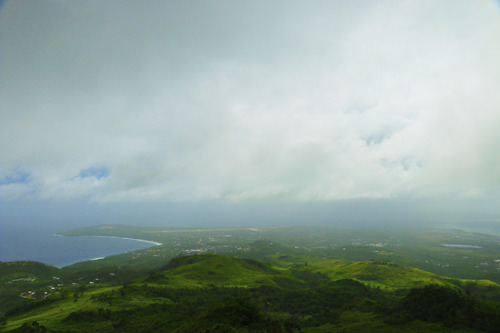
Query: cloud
x=250 y=101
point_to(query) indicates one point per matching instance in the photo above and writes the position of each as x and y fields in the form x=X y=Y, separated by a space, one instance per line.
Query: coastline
x=135 y=239
x=153 y=243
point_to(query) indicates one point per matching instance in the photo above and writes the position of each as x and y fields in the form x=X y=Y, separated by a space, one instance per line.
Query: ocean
x=40 y=243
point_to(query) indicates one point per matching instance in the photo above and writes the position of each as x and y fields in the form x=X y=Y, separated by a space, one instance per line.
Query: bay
x=38 y=243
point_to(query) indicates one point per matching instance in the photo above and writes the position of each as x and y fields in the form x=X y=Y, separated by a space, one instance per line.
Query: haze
x=208 y=113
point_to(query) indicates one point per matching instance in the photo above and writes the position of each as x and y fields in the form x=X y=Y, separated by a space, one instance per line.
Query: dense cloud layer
x=237 y=100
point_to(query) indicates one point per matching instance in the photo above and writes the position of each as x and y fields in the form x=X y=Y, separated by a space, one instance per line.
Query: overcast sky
x=235 y=102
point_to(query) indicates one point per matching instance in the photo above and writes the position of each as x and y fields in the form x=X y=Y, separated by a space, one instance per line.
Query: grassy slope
x=19 y=276
x=384 y=275
x=208 y=270
x=22 y=269
x=191 y=272
x=52 y=315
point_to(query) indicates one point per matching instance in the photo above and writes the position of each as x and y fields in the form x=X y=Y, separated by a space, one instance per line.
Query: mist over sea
x=39 y=243
x=27 y=231
x=490 y=227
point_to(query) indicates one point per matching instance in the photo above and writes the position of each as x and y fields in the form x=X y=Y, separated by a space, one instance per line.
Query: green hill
x=11 y=271
x=211 y=270
x=384 y=275
x=217 y=293
x=26 y=277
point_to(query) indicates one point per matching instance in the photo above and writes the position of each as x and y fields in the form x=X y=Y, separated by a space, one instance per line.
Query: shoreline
x=100 y=258
x=135 y=239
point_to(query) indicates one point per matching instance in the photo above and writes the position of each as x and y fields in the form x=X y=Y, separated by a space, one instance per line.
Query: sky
x=272 y=112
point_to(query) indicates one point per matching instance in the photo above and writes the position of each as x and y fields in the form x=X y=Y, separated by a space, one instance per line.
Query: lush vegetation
x=447 y=252
x=240 y=281
x=216 y=293
x=16 y=278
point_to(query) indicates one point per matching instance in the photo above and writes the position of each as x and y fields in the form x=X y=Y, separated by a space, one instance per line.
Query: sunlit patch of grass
x=211 y=270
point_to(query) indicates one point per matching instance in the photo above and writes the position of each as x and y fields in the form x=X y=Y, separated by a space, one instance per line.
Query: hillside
x=228 y=294
x=21 y=280
x=211 y=270
x=446 y=252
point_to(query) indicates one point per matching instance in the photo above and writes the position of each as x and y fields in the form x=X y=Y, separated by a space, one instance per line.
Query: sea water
x=37 y=243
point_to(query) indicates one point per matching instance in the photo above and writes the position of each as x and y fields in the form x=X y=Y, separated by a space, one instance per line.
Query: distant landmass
x=275 y=279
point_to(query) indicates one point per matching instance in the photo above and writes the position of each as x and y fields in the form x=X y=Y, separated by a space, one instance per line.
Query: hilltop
x=277 y=279
x=446 y=252
x=230 y=294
